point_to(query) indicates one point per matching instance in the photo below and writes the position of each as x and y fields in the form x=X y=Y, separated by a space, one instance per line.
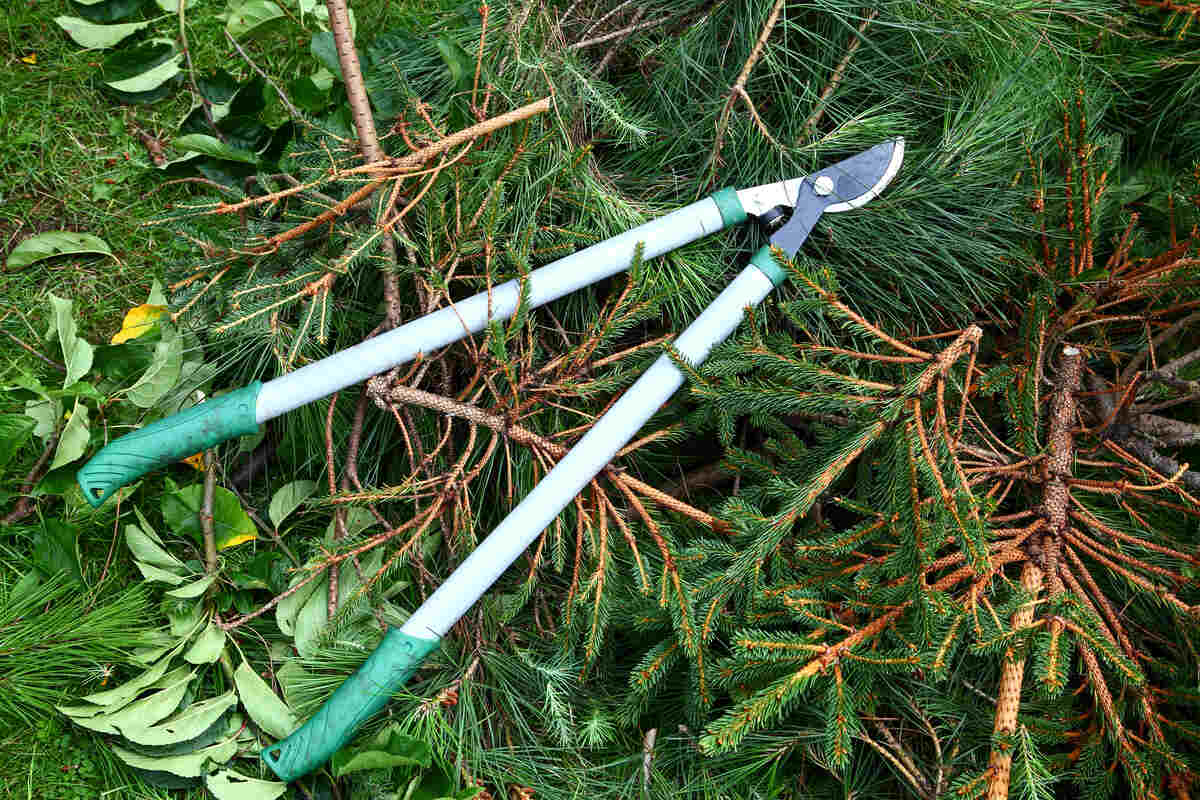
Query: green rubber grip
x=730 y=206
x=168 y=440
x=358 y=699
x=767 y=265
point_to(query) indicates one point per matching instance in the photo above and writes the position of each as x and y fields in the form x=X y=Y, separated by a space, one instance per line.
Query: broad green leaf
x=172 y=6
x=188 y=724
x=229 y=785
x=14 y=431
x=208 y=645
x=74 y=439
x=118 y=696
x=163 y=372
x=106 y=11
x=77 y=353
x=138 y=321
x=231 y=525
x=112 y=701
x=289 y=607
x=323 y=49
x=91 y=36
x=262 y=704
x=147 y=549
x=288 y=499
x=56 y=549
x=358 y=519
x=45 y=413
x=190 y=765
x=311 y=619
x=55 y=243
x=153 y=573
x=193 y=589
x=307 y=95
x=251 y=16
x=185 y=620
x=390 y=748
x=140 y=714
x=151 y=78
x=214 y=147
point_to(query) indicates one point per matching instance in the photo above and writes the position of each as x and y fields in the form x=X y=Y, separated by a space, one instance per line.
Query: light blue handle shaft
x=465 y=317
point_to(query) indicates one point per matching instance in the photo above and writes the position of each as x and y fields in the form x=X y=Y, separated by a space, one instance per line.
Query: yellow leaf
x=30 y=59
x=138 y=320
x=196 y=461
x=235 y=539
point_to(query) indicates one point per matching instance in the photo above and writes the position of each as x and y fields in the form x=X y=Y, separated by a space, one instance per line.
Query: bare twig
x=608 y=37
x=206 y=511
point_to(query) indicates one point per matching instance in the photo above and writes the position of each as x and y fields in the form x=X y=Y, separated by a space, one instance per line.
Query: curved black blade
x=845 y=185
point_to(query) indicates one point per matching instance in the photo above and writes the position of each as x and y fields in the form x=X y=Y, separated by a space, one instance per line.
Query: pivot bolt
x=823 y=185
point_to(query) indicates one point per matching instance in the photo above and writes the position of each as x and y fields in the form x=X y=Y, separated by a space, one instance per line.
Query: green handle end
x=764 y=259
x=124 y=460
x=362 y=695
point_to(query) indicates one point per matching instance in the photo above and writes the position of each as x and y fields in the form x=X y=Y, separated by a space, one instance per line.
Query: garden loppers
x=240 y=412
x=841 y=187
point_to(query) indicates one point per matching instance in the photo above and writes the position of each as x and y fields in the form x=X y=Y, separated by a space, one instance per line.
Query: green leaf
x=140 y=714
x=55 y=242
x=56 y=549
x=118 y=696
x=214 y=147
x=289 y=607
x=109 y=703
x=77 y=353
x=262 y=704
x=91 y=36
x=15 y=429
x=288 y=499
x=252 y=16
x=188 y=724
x=231 y=525
x=324 y=50
x=151 y=79
x=74 y=439
x=193 y=589
x=153 y=573
x=172 y=6
x=190 y=765
x=389 y=749
x=229 y=785
x=208 y=645
x=106 y=10
x=307 y=95
x=45 y=413
x=147 y=548
x=163 y=372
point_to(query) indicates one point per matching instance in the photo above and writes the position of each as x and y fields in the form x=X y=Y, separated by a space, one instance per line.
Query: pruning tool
x=847 y=185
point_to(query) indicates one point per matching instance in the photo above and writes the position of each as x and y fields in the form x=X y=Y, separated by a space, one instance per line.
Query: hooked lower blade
x=847 y=184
